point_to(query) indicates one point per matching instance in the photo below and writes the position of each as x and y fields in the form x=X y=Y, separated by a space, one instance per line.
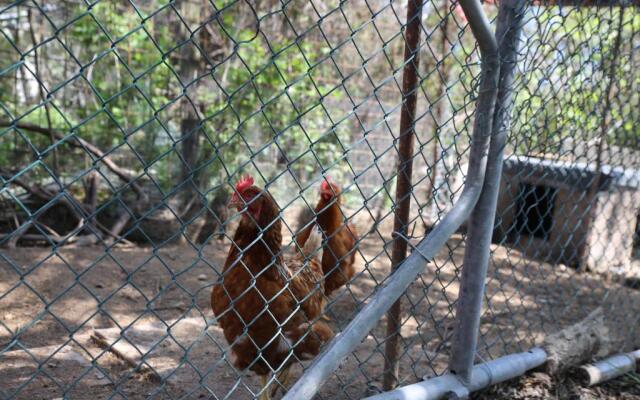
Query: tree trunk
x=596 y=182
x=41 y=81
x=441 y=111
x=189 y=62
x=189 y=150
x=383 y=199
x=91 y=195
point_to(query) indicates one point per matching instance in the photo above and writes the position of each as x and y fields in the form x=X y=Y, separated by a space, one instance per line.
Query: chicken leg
x=282 y=381
x=264 y=395
x=324 y=316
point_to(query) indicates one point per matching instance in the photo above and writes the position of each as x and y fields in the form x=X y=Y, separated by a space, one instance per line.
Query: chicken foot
x=282 y=380
x=264 y=395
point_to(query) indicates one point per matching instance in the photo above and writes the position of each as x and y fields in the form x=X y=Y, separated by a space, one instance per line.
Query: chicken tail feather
x=308 y=339
x=312 y=249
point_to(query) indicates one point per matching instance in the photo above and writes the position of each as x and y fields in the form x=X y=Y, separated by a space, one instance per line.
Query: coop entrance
x=534 y=210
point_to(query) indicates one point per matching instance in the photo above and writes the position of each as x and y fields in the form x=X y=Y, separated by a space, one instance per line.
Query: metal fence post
x=481 y=221
x=403 y=186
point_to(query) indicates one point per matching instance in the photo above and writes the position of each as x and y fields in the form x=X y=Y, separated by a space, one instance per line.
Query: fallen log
x=80 y=211
x=577 y=344
x=79 y=240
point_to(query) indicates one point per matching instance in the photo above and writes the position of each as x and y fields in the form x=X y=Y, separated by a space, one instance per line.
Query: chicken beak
x=236 y=203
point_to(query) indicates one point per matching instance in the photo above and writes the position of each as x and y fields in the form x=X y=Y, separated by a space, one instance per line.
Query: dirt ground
x=539 y=386
x=155 y=303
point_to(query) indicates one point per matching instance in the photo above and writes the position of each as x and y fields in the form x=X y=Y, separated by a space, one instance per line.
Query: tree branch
x=76 y=207
x=82 y=144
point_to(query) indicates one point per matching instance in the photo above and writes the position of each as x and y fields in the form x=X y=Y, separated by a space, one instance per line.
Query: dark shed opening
x=534 y=210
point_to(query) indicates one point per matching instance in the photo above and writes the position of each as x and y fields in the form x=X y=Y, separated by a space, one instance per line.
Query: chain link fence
x=572 y=167
x=125 y=128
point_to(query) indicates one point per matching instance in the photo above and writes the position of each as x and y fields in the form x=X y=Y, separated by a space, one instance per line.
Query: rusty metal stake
x=403 y=186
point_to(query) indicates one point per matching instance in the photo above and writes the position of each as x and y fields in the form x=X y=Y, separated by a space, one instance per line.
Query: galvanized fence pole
x=403 y=185
x=481 y=222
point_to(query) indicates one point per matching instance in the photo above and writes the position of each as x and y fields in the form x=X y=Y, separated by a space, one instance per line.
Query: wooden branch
x=53 y=234
x=118 y=226
x=40 y=192
x=70 y=237
x=46 y=195
x=81 y=240
x=81 y=144
x=28 y=236
x=90 y=184
x=126 y=353
x=17 y=234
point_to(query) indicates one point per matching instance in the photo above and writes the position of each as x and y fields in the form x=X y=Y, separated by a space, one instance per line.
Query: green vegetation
x=174 y=98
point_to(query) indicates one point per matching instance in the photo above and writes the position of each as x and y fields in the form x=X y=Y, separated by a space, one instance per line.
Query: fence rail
x=231 y=199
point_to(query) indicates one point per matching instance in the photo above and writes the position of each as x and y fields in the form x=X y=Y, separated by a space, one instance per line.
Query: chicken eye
x=248 y=199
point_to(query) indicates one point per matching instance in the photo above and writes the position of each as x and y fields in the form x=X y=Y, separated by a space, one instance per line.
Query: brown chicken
x=339 y=255
x=268 y=308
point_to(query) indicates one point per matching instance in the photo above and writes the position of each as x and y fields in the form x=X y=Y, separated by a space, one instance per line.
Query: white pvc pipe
x=610 y=368
x=482 y=375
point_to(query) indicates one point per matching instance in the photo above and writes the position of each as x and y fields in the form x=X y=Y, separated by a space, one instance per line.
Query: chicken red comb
x=325 y=184
x=244 y=183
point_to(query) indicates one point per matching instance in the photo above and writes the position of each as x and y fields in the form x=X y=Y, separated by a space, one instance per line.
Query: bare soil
x=540 y=386
x=156 y=302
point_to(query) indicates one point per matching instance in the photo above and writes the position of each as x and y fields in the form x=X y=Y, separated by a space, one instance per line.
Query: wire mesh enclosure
x=200 y=197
